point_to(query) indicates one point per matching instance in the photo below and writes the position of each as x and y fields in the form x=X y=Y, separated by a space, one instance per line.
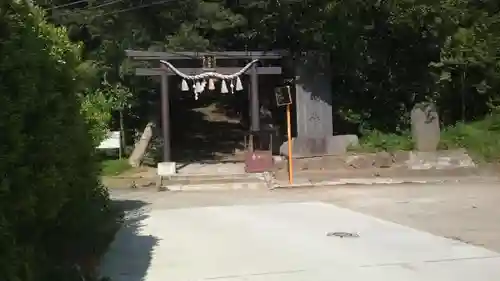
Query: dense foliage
x=386 y=55
x=54 y=214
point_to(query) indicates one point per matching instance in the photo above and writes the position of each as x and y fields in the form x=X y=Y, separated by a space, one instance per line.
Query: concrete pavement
x=281 y=235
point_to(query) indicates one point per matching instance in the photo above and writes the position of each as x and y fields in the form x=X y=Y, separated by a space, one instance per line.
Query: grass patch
x=113 y=167
x=375 y=141
x=481 y=139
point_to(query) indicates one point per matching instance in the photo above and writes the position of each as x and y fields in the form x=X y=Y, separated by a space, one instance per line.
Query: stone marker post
x=425 y=127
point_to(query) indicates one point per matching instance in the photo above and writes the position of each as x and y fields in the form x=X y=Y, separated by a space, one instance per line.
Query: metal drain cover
x=343 y=234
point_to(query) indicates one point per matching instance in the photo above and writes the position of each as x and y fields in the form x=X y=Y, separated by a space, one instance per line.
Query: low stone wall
x=412 y=160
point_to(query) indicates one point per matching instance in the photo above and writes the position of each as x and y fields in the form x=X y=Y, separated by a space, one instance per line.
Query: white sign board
x=112 y=141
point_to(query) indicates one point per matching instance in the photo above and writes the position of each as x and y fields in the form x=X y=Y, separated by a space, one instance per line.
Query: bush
x=375 y=141
x=480 y=138
x=54 y=214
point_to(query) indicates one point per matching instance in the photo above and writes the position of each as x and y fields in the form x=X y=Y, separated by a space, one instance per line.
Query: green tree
x=387 y=55
x=53 y=211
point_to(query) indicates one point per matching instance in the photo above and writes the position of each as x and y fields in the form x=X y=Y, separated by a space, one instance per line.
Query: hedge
x=54 y=214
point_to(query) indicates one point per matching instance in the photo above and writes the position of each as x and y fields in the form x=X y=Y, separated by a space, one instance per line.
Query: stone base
x=447 y=159
x=166 y=168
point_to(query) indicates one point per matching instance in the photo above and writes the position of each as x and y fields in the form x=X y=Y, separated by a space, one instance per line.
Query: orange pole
x=289 y=128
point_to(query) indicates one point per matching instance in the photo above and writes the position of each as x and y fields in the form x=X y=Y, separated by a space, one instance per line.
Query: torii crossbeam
x=225 y=74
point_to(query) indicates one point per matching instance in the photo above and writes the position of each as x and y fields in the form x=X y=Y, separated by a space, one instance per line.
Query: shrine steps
x=213 y=182
x=219 y=176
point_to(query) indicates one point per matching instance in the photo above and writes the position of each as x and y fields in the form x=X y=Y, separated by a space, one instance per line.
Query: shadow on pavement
x=129 y=256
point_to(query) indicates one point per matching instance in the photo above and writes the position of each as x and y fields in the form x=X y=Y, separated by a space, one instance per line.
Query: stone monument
x=425 y=127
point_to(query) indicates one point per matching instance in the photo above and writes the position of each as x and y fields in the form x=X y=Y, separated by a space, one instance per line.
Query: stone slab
x=286 y=241
x=218 y=186
x=211 y=169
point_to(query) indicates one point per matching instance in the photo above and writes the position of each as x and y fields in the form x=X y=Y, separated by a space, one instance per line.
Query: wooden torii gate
x=164 y=72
